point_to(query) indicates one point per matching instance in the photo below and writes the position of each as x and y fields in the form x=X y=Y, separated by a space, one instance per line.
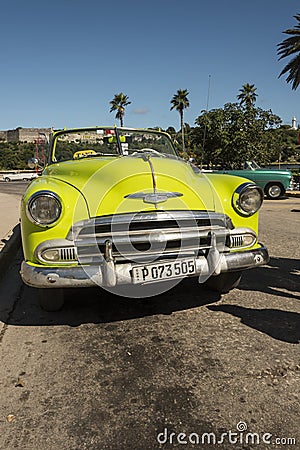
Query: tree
x=288 y=47
x=234 y=135
x=289 y=143
x=180 y=102
x=247 y=95
x=118 y=103
x=14 y=155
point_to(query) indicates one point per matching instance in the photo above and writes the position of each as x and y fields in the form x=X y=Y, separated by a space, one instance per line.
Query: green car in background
x=273 y=182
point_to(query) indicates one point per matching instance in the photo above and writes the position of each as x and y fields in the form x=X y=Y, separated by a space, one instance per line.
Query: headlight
x=44 y=208
x=247 y=199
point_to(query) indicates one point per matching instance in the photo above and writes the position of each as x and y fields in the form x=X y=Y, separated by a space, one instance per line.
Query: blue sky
x=63 y=61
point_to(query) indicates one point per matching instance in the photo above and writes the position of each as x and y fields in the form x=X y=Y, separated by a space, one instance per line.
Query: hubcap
x=274 y=191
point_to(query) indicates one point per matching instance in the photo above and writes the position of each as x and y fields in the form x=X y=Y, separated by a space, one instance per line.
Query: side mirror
x=32 y=163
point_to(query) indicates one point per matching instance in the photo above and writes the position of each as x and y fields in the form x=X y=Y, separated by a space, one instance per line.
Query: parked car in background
x=18 y=176
x=118 y=208
x=295 y=184
x=273 y=182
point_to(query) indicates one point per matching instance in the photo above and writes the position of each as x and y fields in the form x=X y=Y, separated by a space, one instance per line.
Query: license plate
x=163 y=271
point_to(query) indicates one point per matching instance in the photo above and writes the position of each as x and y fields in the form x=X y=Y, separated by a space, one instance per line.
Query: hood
x=109 y=184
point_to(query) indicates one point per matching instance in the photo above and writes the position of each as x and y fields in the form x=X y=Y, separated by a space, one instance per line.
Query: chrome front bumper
x=110 y=274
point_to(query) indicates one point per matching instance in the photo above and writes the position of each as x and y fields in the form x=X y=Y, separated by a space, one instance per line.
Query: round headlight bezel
x=240 y=192
x=35 y=197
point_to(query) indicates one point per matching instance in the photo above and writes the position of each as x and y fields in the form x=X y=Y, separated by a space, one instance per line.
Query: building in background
x=24 y=134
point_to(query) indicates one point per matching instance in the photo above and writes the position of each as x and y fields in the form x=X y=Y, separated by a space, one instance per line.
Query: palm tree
x=247 y=95
x=118 y=104
x=180 y=102
x=288 y=47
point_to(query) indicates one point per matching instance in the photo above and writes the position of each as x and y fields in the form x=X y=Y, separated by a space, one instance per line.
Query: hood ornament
x=154 y=197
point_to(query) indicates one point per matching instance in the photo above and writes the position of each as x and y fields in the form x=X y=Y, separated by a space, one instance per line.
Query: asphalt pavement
x=10 y=199
x=122 y=374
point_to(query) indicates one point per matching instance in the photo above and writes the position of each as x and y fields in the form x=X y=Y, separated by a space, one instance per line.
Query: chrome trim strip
x=138 y=236
x=151 y=216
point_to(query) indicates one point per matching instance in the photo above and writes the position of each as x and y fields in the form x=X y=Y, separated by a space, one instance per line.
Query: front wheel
x=224 y=282
x=274 y=191
x=51 y=299
x=6 y=179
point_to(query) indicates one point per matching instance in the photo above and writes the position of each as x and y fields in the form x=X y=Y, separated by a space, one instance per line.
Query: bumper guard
x=109 y=274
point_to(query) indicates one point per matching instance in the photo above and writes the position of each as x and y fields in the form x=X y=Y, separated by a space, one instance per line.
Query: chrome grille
x=236 y=241
x=67 y=254
x=146 y=235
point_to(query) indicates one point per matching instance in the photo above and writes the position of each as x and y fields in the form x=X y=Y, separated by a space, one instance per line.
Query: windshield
x=251 y=165
x=99 y=142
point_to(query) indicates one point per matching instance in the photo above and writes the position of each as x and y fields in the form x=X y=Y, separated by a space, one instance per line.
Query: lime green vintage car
x=118 y=208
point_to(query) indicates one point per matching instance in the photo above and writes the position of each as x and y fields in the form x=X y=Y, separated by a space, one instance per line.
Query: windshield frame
x=251 y=165
x=118 y=130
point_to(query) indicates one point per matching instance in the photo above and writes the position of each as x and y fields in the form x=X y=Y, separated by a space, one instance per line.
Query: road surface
x=114 y=373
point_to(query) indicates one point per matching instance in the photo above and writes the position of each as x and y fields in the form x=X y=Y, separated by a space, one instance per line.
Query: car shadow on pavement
x=281 y=277
x=279 y=324
x=96 y=305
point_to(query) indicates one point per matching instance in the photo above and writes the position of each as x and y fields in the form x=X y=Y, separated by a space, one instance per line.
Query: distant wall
x=12 y=135
x=24 y=134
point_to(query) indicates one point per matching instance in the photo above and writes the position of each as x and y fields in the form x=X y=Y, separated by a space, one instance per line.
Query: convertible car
x=118 y=208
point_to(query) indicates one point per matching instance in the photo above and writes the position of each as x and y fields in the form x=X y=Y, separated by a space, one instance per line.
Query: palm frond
x=289 y=47
x=293 y=67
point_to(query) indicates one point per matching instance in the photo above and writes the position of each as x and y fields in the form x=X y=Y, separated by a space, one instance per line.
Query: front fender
x=74 y=209
x=223 y=187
